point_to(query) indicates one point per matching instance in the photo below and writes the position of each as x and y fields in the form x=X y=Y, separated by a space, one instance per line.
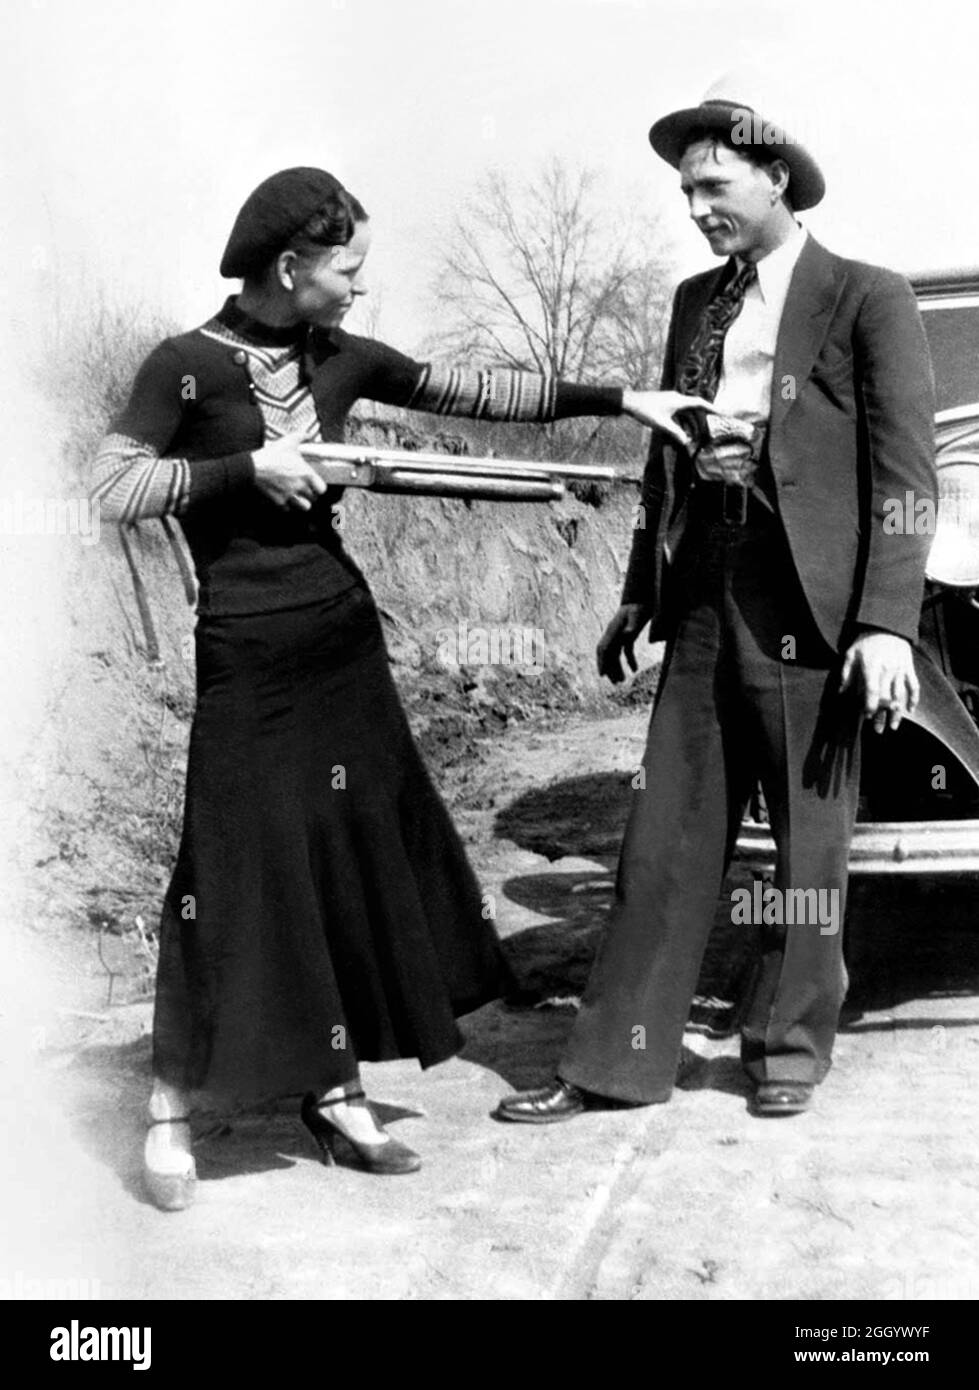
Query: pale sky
x=139 y=126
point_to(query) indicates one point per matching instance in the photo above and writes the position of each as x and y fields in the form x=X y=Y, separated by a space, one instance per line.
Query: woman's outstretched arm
x=509 y=395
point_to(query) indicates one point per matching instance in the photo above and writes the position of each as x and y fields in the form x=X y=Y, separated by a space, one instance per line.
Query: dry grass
x=87 y=367
x=112 y=819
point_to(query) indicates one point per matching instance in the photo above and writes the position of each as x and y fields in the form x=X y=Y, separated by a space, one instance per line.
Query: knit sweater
x=203 y=402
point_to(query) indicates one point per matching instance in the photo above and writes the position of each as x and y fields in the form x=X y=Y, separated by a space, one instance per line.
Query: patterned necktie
x=700 y=373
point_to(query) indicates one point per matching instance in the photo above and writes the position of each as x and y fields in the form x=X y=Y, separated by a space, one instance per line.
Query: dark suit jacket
x=851 y=426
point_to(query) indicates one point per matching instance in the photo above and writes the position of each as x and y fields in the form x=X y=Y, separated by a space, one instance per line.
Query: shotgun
x=408 y=473
x=448 y=475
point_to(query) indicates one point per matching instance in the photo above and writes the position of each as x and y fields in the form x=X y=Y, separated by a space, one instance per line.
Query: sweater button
x=241 y=357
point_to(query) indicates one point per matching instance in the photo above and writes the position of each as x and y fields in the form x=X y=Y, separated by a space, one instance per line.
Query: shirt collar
x=775 y=269
x=262 y=334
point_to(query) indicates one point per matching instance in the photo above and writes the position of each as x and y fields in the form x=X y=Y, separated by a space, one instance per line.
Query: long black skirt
x=322 y=911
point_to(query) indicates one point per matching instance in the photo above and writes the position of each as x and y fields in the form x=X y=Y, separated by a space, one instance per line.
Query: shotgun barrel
x=447 y=475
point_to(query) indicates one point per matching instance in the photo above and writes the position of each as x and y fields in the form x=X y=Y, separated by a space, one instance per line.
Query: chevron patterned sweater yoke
x=279 y=387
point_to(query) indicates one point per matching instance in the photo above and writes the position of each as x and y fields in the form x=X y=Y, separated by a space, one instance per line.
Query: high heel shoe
x=171 y=1191
x=390 y=1156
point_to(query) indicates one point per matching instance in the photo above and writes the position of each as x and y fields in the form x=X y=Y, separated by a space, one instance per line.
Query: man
x=788 y=609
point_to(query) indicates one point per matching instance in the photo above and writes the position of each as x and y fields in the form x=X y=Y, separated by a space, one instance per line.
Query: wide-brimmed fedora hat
x=748 y=111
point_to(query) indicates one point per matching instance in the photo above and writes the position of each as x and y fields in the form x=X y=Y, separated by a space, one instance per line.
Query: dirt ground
x=874 y=1194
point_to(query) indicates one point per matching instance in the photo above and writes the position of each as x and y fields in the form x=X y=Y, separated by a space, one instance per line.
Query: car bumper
x=883 y=847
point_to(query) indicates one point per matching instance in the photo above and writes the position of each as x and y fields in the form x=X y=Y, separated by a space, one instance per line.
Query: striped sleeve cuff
x=133 y=482
x=496 y=393
x=485 y=394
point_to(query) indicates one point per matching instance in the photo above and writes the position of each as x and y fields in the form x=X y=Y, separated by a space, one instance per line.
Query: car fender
x=942 y=714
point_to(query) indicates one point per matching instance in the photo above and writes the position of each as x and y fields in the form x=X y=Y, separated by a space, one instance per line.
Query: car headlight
x=954 y=555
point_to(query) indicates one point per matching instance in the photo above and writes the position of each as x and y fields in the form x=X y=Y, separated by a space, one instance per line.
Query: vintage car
x=919 y=788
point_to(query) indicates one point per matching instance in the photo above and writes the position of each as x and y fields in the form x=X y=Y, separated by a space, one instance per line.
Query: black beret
x=272 y=215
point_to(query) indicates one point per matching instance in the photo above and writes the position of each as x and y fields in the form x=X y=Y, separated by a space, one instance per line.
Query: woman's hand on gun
x=283 y=474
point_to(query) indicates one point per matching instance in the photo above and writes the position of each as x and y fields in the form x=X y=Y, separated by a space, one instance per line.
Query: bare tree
x=633 y=331
x=551 y=277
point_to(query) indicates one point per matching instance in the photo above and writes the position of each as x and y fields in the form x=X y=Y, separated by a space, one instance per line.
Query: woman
x=322 y=910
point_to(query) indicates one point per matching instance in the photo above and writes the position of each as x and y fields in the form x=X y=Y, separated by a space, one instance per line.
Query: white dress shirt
x=745 y=388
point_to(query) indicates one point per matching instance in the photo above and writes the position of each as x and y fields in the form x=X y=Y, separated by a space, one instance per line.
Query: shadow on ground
x=584 y=818
x=232 y=1142
x=907 y=940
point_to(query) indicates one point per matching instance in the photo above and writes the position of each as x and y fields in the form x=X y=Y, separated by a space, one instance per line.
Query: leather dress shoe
x=782 y=1097
x=545 y=1106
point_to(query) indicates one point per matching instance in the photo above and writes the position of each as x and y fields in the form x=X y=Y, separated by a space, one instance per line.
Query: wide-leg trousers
x=749 y=692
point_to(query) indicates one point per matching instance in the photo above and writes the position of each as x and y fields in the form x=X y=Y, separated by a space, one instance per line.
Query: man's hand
x=881 y=665
x=619 y=638
x=657 y=409
x=283 y=474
